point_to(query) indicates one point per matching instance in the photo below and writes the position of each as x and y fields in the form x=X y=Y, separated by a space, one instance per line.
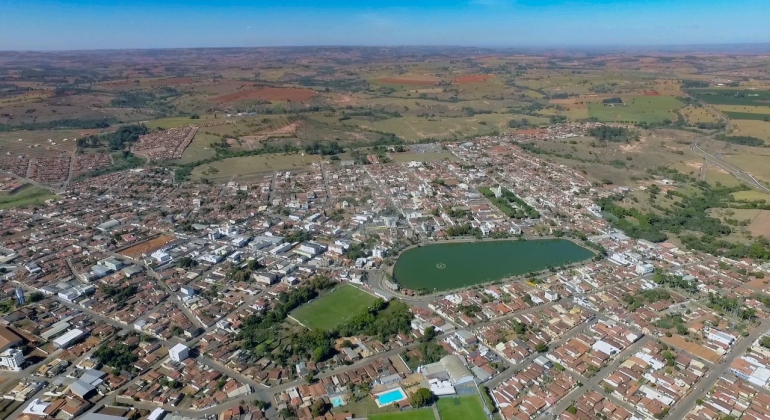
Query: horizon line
x=541 y=47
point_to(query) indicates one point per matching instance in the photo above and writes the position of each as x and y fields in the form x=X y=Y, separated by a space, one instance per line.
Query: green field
x=461 y=408
x=747 y=116
x=731 y=96
x=421 y=414
x=650 y=109
x=334 y=308
x=25 y=197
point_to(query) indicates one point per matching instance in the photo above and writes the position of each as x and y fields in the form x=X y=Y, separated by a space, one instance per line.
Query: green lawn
x=27 y=196
x=334 y=308
x=649 y=109
x=469 y=408
x=421 y=414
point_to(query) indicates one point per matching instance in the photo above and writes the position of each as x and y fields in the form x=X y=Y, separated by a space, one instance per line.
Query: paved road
x=732 y=169
x=717 y=370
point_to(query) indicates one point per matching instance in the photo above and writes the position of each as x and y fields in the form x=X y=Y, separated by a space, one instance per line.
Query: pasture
x=752 y=128
x=333 y=309
x=758 y=165
x=252 y=167
x=461 y=408
x=650 y=109
x=695 y=115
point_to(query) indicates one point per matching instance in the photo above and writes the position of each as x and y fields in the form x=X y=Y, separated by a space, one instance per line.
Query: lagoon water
x=453 y=265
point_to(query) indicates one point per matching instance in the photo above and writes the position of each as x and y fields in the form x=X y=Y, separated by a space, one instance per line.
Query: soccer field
x=334 y=308
x=461 y=408
x=422 y=414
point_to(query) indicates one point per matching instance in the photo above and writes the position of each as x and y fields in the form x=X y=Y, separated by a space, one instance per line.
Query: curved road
x=732 y=169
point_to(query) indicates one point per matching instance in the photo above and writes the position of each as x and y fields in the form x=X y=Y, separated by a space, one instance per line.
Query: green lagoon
x=454 y=265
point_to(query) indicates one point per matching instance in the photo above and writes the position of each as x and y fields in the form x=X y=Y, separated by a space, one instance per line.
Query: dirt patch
x=148 y=247
x=472 y=78
x=409 y=81
x=760 y=226
x=692 y=348
x=285 y=131
x=344 y=100
x=268 y=94
x=651 y=93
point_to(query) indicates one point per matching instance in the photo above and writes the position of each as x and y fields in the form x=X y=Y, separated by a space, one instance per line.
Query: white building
x=720 y=336
x=179 y=353
x=13 y=359
x=69 y=338
x=644 y=269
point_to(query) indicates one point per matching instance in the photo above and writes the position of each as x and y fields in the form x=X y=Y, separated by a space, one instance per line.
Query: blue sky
x=92 y=24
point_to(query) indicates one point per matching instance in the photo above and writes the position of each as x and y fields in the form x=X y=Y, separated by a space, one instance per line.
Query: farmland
x=334 y=308
x=649 y=109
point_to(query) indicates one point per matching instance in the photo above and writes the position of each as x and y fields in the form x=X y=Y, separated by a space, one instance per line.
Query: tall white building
x=13 y=359
x=179 y=353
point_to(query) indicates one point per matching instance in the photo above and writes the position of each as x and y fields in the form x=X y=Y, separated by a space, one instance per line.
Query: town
x=136 y=296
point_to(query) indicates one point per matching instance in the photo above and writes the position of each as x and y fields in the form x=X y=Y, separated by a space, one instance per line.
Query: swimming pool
x=389 y=397
x=337 y=402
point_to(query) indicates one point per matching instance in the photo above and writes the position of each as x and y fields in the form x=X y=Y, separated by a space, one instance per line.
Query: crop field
x=252 y=167
x=421 y=414
x=199 y=148
x=461 y=408
x=334 y=308
x=650 y=109
x=727 y=96
x=28 y=196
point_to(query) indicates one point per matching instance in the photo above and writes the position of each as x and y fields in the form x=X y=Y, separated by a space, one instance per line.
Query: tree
x=421 y=398
x=541 y=348
x=429 y=334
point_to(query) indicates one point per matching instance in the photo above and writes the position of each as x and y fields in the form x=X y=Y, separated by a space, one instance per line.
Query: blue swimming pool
x=391 y=397
x=337 y=402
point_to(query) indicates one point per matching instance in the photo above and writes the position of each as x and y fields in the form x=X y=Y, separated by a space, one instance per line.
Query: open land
x=252 y=166
x=333 y=309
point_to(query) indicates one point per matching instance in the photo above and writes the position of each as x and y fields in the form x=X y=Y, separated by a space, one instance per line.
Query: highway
x=732 y=169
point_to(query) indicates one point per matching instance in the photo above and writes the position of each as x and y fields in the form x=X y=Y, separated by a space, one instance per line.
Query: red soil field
x=417 y=82
x=651 y=93
x=472 y=78
x=268 y=94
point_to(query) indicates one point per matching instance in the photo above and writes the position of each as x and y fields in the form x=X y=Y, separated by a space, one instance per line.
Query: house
x=720 y=336
x=8 y=338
